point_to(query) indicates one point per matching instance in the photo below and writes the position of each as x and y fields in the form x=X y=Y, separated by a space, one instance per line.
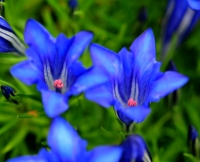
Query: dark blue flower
x=73 y=3
x=9 y=41
x=194 y=4
x=131 y=79
x=8 y=91
x=52 y=64
x=66 y=146
x=180 y=18
x=135 y=149
x=193 y=141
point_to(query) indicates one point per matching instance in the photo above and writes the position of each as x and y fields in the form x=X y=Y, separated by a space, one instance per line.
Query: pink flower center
x=58 y=84
x=131 y=102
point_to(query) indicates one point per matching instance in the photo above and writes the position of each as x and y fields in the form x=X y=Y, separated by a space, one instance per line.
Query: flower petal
x=34 y=158
x=37 y=37
x=169 y=82
x=94 y=77
x=143 y=49
x=194 y=4
x=131 y=114
x=26 y=72
x=54 y=103
x=135 y=149
x=101 y=95
x=105 y=59
x=80 y=41
x=105 y=154
x=64 y=141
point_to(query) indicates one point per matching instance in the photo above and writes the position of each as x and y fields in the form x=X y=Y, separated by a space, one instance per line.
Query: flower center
x=131 y=102
x=58 y=84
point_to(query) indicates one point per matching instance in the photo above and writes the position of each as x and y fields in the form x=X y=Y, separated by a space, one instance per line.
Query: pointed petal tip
x=54 y=103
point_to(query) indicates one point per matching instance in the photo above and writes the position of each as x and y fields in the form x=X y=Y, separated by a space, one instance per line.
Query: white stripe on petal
x=48 y=76
x=64 y=77
x=11 y=37
x=185 y=21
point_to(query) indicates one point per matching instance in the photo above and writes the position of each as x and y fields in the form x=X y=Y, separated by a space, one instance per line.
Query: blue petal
x=38 y=38
x=192 y=133
x=143 y=49
x=194 y=4
x=135 y=149
x=101 y=95
x=105 y=59
x=26 y=72
x=169 y=82
x=49 y=155
x=105 y=154
x=9 y=42
x=54 y=103
x=64 y=141
x=33 y=158
x=94 y=77
x=132 y=114
x=80 y=41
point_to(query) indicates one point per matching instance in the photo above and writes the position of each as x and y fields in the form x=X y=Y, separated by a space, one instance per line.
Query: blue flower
x=9 y=41
x=8 y=91
x=131 y=79
x=135 y=149
x=179 y=20
x=52 y=64
x=194 y=4
x=66 y=146
x=72 y=3
x=193 y=141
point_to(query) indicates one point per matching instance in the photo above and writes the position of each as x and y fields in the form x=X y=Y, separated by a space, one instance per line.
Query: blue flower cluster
x=128 y=80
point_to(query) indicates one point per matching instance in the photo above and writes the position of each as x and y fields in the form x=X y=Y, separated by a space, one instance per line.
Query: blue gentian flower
x=66 y=146
x=9 y=41
x=193 y=141
x=194 y=4
x=73 y=4
x=131 y=79
x=135 y=149
x=52 y=64
x=180 y=19
x=8 y=91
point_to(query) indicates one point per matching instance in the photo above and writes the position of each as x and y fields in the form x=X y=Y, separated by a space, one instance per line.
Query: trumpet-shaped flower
x=9 y=41
x=52 y=64
x=133 y=79
x=66 y=146
x=180 y=19
x=135 y=149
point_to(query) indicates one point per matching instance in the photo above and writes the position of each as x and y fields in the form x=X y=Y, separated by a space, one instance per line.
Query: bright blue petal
x=26 y=72
x=94 y=77
x=4 y=23
x=80 y=41
x=33 y=158
x=62 y=46
x=169 y=82
x=105 y=154
x=54 y=103
x=105 y=59
x=194 y=4
x=38 y=38
x=192 y=133
x=131 y=114
x=64 y=141
x=101 y=94
x=49 y=155
x=143 y=49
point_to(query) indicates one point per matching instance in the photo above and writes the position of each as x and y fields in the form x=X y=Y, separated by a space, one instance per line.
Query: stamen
x=58 y=84
x=131 y=102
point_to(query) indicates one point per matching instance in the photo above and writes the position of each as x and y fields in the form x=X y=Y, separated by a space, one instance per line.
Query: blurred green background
x=24 y=127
